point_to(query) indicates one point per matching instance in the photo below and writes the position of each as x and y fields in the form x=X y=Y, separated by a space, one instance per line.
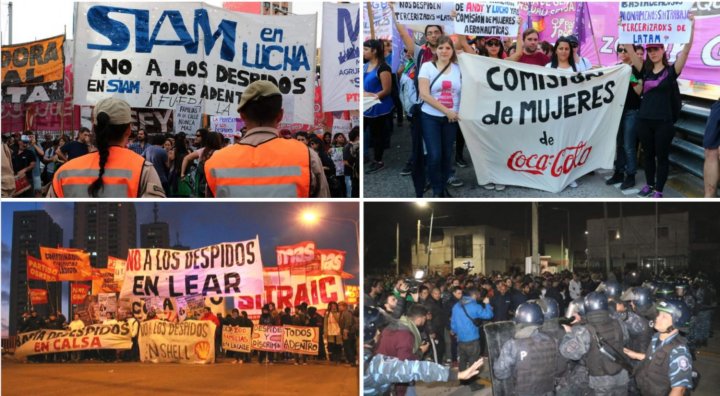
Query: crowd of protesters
x=441 y=318
x=338 y=334
x=427 y=90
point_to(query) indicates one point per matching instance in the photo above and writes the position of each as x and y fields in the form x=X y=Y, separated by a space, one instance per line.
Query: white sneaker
x=499 y=187
x=489 y=186
x=573 y=184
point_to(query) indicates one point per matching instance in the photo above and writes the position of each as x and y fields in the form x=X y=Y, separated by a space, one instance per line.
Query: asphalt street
x=388 y=183
x=177 y=379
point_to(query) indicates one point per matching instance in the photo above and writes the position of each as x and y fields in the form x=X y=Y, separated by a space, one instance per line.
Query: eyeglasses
x=621 y=50
x=493 y=44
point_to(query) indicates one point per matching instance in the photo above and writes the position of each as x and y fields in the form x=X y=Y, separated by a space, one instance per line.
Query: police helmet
x=373 y=322
x=678 y=310
x=682 y=284
x=641 y=296
x=612 y=289
x=665 y=290
x=596 y=302
x=550 y=307
x=529 y=313
x=576 y=306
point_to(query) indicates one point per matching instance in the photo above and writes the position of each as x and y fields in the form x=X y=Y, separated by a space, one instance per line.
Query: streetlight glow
x=309 y=217
x=422 y=204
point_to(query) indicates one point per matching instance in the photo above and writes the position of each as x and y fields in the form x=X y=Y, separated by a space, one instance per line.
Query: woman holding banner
x=659 y=109
x=440 y=85
x=377 y=81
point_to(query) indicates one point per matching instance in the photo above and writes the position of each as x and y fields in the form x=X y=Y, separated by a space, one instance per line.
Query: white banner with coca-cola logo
x=539 y=127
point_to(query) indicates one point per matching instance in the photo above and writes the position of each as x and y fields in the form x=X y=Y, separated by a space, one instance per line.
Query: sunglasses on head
x=493 y=43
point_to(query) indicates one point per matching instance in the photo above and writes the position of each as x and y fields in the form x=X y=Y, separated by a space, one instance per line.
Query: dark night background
x=381 y=219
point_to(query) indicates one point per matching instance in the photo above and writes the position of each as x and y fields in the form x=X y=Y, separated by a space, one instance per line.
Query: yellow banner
x=35 y=62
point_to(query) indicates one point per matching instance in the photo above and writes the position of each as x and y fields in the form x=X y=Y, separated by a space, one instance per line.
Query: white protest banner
x=118 y=267
x=268 y=338
x=538 y=127
x=188 y=118
x=236 y=338
x=340 y=62
x=192 y=341
x=490 y=18
x=336 y=155
x=421 y=13
x=224 y=269
x=382 y=20
x=656 y=22
x=115 y=336
x=161 y=55
x=341 y=126
x=227 y=126
x=107 y=303
x=301 y=339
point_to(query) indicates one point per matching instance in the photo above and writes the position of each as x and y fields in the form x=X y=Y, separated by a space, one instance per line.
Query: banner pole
x=371 y=20
x=592 y=32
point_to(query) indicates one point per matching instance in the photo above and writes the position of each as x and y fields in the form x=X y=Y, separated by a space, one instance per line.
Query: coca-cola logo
x=559 y=164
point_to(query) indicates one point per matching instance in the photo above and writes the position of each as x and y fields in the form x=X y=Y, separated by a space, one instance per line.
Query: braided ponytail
x=102 y=133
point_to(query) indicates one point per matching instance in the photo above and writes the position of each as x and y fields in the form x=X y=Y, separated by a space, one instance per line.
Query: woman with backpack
x=659 y=109
x=377 y=82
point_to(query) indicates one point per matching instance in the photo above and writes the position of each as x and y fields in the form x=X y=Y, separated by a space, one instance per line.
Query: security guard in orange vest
x=261 y=164
x=113 y=171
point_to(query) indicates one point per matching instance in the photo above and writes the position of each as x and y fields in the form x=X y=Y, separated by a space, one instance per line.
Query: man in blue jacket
x=462 y=323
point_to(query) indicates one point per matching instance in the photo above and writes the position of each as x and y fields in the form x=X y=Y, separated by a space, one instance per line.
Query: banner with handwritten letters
x=107 y=306
x=224 y=269
x=33 y=72
x=40 y=270
x=657 y=22
x=118 y=267
x=161 y=55
x=188 y=118
x=38 y=296
x=78 y=293
x=301 y=339
x=227 y=126
x=72 y=264
x=115 y=336
x=382 y=20
x=418 y=14
x=538 y=127
x=237 y=339
x=192 y=341
x=340 y=63
x=268 y=338
x=491 y=18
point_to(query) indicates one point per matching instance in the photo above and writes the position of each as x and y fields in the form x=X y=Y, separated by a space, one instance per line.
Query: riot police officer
x=529 y=358
x=667 y=367
x=639 y=316
x=551 y=326
x=594 y=341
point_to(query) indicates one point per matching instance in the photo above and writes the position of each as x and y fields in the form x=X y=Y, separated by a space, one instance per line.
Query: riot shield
x=496 y=334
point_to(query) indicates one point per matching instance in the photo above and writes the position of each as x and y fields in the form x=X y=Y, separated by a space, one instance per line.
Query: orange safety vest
x=277 y=168
x=121 y=178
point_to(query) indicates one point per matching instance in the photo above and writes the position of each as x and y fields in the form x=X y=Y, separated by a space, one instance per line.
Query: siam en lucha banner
x=538 y=127
x=192 y=341
x=161 y=55
x=224 y=269
x=33 y=72
x=115 y=336
x=341 y=57
x=73 y=264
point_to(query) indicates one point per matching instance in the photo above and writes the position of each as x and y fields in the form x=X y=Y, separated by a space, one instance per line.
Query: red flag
x=41 y=270
x=38 y=296
x=78 y=292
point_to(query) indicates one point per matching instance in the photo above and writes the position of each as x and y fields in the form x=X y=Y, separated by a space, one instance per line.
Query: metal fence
x=687 y=152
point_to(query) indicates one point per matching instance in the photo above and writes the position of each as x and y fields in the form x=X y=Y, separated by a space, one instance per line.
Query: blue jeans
x=348 y=186
x=626 y=145
x=439 y=136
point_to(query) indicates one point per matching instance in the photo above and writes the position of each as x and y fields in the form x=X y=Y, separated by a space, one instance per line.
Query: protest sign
x=223 y=269
x=299 y=253
x=227 y=126
x=382 y=20
x=236 y=338
x=197 y=54
x=192 y=341
x=107 y=304
x=491 y=18
x=539 y=127
x=118 y=266
x=341 y=125
x=267 y=338
x=336 y=155
x=34 y=71
x=352 y=294
x=301 y=339
x=89 y=310
x=40 y=270
x=78 y=293
x=72 y=264
x=340 y=62
x=115 y=336
x=422 y=13
x=104 y=281
x=657 y=22
x=38 y=296
x=187 y=119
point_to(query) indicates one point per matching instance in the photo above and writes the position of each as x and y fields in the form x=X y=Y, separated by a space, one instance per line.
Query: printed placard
x=656 y=22
x=490 y=18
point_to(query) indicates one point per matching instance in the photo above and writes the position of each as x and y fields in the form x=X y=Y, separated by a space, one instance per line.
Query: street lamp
x=423 y=204
x=310 y=217
x=567 y=211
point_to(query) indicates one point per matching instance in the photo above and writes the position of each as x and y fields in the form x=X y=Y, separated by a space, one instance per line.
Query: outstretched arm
x=683 y=55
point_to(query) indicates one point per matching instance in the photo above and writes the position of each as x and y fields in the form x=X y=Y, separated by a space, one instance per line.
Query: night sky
x=381 y=219
x=206 y=223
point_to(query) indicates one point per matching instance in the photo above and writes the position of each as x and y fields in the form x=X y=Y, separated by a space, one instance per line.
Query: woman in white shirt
x=440 y=83
x=75 y=325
